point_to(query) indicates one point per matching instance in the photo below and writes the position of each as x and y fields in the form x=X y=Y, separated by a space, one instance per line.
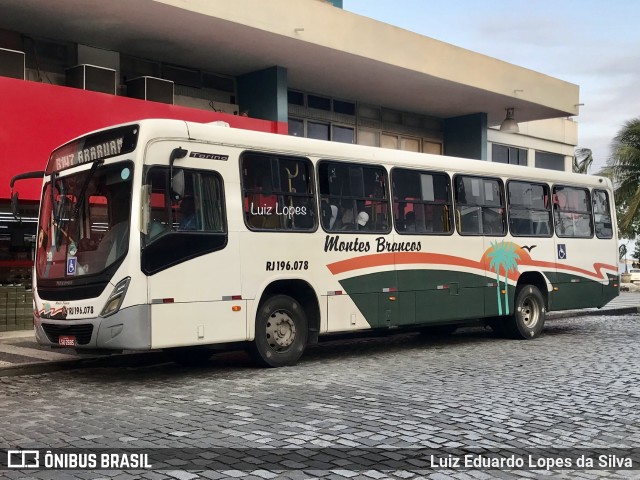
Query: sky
x=592 y=43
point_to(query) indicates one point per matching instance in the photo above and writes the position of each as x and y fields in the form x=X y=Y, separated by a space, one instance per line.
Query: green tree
x=582 y=160
x=625 y=168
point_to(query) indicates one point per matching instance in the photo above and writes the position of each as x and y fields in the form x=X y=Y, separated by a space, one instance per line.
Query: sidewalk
x=20 y=354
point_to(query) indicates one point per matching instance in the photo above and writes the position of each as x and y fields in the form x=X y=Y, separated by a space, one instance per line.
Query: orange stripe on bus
x=421 y=258
x=403 y=258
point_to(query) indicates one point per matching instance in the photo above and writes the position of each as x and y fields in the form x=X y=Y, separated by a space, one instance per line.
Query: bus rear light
x=115 y=299
x=334 y=292
x=231 y=297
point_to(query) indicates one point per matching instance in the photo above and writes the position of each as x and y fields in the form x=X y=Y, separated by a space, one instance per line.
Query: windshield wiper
x=56 y=217
x=83 y=190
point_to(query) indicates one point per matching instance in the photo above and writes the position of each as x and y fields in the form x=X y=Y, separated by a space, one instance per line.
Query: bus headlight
x=115 y=299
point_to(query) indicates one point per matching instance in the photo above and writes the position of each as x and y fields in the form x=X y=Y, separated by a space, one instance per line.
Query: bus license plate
x=67 y=341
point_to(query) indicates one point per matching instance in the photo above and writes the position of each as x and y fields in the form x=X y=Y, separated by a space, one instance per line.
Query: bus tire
x=527 y=321
x=281 y=332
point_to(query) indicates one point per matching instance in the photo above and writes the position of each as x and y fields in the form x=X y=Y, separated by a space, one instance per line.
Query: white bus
x=166 y=234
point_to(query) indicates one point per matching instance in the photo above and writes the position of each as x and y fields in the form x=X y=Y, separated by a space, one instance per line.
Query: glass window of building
x=510 y=155
x=550 y=161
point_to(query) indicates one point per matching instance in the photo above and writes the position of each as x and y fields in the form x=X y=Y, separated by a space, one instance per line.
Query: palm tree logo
x=503 y=257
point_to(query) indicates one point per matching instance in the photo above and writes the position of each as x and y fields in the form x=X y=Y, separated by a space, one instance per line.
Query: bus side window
x=572 y=212
x=356 y=195
x=602 y=214
x=422 y=202
x=480 y=206
x=529 y=212
x=278 y=192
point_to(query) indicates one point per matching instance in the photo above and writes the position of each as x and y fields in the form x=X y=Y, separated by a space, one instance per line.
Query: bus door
x=574 y=230
x=189 y=256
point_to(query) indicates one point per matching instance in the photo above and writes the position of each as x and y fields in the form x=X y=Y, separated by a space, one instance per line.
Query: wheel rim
x=529 y=311
x=281 y=331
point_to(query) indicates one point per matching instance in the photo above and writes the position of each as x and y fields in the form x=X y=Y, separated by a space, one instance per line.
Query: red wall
x=35 y=118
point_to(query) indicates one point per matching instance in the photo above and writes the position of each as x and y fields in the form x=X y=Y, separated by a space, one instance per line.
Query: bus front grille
x=82 y=332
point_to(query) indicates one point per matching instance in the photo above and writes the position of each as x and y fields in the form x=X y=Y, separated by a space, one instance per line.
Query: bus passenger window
x=602 y=214
x=421 y=202
x=479 y=206
x=572 y=212
x=529 y=211
x=353 y=197
x=278 y=192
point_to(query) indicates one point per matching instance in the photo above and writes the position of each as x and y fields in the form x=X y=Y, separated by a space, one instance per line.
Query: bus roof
x=215 y=133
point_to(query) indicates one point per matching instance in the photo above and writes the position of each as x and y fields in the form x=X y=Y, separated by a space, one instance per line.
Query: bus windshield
x=84 y=221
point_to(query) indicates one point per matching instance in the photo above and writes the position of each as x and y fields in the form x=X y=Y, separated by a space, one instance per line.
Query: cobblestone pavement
x=576 y=388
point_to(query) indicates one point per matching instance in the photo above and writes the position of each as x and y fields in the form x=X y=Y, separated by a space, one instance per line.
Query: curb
x=586 y=313
x=136 y=359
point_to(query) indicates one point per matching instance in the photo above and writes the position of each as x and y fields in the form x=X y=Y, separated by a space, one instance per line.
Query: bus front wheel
x=528 y=318
x=281 y=332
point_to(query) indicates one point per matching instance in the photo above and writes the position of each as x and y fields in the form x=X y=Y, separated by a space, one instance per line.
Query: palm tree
x=582 y=160
x=496 y=254
x=503 y=256
x=625 y=166
x=510 y=265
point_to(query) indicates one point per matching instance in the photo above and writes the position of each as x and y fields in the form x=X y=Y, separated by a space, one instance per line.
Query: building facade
x=297 y=67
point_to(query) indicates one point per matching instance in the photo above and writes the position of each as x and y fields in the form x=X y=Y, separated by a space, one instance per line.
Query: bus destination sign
x=89 y=154
x=93 y=148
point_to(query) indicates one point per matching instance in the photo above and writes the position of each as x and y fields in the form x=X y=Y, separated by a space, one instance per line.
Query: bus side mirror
x=14 y=206
x=177 y=183
x=14 y=195
x=177 y=179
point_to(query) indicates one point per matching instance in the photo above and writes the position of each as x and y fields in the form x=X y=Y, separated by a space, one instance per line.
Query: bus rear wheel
x=281 y=332
x=528 y=318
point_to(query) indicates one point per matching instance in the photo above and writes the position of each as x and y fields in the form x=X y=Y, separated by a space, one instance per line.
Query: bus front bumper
x=128 y=329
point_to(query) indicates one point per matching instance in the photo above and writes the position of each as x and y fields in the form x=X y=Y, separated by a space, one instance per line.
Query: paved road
x=577 y=388
x=19 y=353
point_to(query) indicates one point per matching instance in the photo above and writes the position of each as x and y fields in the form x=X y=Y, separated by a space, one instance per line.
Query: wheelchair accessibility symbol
x=71 y=265
x=562 y=251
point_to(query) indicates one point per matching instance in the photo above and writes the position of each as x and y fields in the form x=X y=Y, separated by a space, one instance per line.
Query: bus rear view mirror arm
x=14 y=195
